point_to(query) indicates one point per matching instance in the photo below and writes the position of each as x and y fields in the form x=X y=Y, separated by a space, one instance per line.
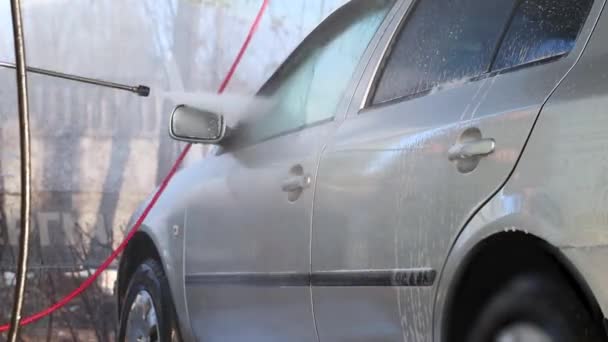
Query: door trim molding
x=411 y=277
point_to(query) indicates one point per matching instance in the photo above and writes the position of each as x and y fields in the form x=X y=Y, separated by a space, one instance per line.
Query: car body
x=405 y=186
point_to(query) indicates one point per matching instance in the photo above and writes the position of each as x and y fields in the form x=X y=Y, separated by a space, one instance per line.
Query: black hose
x=24 y=144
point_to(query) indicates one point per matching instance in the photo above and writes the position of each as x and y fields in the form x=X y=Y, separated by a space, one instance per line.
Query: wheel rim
x=142 y=323
x=522 y=332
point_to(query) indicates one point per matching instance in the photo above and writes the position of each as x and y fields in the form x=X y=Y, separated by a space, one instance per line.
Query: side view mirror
x=196 y=126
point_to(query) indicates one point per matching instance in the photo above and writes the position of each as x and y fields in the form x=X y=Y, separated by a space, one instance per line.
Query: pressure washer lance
x=140 y=90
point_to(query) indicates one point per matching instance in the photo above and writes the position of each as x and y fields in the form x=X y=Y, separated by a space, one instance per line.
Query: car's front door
x=248 y=218
x=435 y=135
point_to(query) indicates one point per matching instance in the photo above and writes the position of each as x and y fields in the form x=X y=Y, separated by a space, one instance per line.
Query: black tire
x=545 y=303
x=149 y=276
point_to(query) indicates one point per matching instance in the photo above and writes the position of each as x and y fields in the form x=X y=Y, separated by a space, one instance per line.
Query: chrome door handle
x=471 y=149
x=296 y=183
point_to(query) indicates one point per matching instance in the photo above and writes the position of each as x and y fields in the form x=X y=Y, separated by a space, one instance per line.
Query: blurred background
x=98 y=152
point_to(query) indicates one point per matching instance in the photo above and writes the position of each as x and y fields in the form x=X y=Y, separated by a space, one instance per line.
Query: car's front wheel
x=535 y=308
x=148 y=313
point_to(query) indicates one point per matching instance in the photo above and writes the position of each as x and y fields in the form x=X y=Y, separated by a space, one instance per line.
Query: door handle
x=471 y=149
x=296 y=183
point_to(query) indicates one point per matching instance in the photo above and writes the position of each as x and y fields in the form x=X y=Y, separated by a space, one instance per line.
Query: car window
x=442 y=41
x=309 y=86
x=542 y=29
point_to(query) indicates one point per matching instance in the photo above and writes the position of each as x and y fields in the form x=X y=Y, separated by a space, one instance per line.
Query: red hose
x=63 y=301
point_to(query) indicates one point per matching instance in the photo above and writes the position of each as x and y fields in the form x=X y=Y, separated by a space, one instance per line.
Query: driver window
x=308 y=88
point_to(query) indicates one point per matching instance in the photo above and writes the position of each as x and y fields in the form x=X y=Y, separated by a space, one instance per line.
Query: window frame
x=367 y=103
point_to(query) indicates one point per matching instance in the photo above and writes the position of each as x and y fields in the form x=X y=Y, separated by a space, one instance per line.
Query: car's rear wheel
x=535 y=308
x=148 y=313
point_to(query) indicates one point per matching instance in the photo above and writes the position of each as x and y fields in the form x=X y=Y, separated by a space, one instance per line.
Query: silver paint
x=387 y=195
x=240 y=220
x=555 y=191
x=384 y=194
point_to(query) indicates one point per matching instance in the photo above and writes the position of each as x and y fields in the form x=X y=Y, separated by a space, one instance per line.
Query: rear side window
x=542 y=29
x=443 y=41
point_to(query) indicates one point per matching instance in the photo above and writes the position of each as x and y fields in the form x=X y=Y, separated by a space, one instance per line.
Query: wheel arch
x=496 y=259
x=140 y=248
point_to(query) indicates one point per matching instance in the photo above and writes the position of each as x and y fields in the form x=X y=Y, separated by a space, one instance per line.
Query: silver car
x=432 y=170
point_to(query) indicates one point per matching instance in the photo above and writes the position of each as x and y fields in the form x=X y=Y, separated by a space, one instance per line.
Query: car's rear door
x=434 y=131
x=247 y=256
